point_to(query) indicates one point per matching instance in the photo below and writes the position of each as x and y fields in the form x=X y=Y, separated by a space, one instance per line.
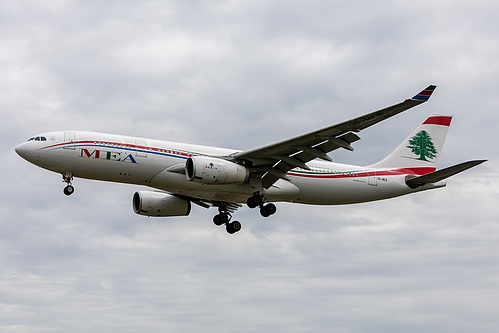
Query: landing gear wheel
x=68 y=190
x=67 y=178
x=251 y=202
x=233 y=227
x=263 y=212
x=224 y=217
x=221 y=218
x=267 y=210
x=254 y=201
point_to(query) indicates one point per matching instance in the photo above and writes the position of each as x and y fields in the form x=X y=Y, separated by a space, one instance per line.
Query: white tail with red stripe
x=421 y=150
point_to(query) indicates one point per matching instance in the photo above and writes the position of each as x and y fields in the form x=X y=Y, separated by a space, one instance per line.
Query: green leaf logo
x=422 y=145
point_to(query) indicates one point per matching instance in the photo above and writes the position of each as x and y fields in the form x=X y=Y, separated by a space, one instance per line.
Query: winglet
x=425 y=94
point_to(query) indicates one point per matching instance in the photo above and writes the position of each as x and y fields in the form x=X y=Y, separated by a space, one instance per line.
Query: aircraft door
x=139 y=147
x=371 y=179
x=69 y=141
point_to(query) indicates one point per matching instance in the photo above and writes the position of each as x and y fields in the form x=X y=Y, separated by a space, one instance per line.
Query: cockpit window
x=38 y=138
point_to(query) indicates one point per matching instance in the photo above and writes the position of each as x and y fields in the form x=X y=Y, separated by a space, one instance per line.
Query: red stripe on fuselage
x=438 y=120
x=353 y=174
x=117 y=145
x=405 y=171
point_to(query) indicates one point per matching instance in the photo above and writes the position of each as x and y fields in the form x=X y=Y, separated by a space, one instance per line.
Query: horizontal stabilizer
x=442 y=174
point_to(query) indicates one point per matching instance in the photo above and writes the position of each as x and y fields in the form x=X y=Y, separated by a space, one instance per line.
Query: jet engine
x=159 y=204
x=210 y=170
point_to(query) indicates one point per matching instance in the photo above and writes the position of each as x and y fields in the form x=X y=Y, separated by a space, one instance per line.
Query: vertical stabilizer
x=421 y=150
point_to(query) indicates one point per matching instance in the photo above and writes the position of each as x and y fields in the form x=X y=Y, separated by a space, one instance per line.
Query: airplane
x=297 y=170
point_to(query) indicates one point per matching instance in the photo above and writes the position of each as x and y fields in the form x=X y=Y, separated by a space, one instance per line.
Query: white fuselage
x=157 y=164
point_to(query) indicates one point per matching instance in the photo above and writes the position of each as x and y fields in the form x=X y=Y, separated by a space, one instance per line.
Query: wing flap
x=230 y=207
x=309 y=153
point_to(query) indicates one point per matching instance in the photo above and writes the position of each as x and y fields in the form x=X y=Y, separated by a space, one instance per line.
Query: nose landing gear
x=67 y=178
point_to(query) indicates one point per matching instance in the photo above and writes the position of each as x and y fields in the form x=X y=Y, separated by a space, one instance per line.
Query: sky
x=242 y=74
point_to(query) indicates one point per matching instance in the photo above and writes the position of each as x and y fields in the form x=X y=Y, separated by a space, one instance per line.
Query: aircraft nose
x=21 y=150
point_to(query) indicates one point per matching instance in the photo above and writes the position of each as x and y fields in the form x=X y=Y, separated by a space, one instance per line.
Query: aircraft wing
x=275 y=160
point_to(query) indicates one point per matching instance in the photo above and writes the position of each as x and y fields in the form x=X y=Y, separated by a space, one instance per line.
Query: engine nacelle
x=159 y=204
x=210 y=170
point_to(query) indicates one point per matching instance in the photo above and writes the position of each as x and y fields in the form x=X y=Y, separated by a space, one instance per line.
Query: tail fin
x=421 y=150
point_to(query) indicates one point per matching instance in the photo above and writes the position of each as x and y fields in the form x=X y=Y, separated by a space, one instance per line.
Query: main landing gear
x=257 y=200
x=223 y=217
x=67 y=178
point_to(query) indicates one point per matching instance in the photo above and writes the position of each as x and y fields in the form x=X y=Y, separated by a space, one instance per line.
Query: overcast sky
x=242 y=74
